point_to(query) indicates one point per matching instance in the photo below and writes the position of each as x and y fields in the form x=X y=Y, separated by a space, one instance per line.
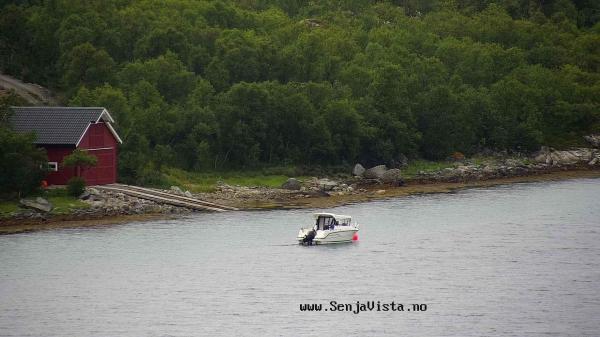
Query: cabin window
x=52 y=166
x=325 y=223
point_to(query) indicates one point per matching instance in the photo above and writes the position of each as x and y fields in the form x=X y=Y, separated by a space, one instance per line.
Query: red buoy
x=355 y=237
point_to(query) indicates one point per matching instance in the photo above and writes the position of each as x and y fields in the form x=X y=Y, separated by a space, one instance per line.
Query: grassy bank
x=208 y=181
x=64 y=204
x=274 y=177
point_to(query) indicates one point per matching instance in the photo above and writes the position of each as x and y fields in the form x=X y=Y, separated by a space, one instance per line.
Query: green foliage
x=207 y=85
x=208 y=181
x=21 y=164
x=80 y=159
x=76 y=186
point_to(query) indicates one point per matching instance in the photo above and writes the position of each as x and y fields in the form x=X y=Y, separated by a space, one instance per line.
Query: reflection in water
x=518 y=260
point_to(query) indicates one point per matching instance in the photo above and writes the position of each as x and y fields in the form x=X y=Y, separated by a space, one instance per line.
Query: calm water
x=518 y=260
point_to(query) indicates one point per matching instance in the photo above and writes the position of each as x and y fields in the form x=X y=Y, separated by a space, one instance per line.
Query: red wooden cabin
x=60 y=130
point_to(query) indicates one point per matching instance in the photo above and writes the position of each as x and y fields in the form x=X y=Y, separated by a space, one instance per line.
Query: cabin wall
x=56 y=154
x=100 y=142
x=97 y=141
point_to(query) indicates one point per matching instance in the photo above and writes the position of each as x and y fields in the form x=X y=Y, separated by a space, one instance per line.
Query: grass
x=275 y=177
x=415 y=166
x=207 y=181
x=62 y=202
x=7 y=207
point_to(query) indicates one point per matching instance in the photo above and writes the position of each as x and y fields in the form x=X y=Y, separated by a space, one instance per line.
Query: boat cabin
x=328 y=221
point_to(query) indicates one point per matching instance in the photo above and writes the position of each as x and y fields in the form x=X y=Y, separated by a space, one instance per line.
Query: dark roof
x=57 y=125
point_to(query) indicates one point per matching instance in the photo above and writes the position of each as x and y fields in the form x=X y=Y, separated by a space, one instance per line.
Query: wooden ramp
x=165 y=198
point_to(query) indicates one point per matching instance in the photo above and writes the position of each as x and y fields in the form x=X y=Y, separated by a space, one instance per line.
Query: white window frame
x=53 y=166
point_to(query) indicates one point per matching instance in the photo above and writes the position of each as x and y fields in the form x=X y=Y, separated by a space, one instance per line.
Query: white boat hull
x=335 y=236
x=331 y=236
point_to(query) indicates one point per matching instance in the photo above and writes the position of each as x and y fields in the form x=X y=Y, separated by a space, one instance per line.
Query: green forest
x=221 y=85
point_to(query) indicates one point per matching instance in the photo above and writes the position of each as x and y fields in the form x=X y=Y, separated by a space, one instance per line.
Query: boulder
x=375 y=172
x=513 y=162
x=543 y=155
x=326 y=184
x=85 y=195
x=393 y=177
x=39 y=204
x=542 y=158
x=564 y=158
x=400 y=161
x=594 y=140
x=568 y=157
x=488 y=170
x=358 y=170
x=188 y=194
x=291 y=184
x=176 y=190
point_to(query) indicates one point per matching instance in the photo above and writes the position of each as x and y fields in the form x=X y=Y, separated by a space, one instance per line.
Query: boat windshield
x=325 y=223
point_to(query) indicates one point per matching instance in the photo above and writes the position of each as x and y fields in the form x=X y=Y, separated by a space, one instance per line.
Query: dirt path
x=32 y=93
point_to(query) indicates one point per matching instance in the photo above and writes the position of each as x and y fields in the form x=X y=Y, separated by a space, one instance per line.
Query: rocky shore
x=98 y=204
x=545 y=161
x=361 y=184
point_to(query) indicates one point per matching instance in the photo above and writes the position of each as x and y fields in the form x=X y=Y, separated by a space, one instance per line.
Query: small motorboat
x=329 y=228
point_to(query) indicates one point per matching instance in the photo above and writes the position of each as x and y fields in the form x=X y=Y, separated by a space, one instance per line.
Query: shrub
x=21 y=164
x=76 y=186
x=80 y=159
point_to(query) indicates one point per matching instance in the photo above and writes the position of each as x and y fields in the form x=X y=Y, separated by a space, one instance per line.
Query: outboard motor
x=308 y=238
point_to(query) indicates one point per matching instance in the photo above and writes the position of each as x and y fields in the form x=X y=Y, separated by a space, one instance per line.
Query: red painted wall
x=98 y=141
x=56 y=154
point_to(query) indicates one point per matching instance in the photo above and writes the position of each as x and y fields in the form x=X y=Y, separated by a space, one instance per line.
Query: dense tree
x=230 y=84
x=22 y=164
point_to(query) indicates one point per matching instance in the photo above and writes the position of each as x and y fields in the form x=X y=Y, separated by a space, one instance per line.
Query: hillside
x=204 y=85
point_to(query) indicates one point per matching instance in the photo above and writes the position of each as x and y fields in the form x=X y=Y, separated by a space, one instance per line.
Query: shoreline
x=373 y=193
x=416 y=188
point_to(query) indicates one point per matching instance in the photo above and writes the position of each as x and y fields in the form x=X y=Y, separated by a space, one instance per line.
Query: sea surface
x=512 y=260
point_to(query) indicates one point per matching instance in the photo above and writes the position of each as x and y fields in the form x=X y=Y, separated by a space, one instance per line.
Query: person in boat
x=325 y=223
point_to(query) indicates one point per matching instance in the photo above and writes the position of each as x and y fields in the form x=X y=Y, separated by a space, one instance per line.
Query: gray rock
x=85 y=195
x=188 y=194
x=392 y=176
x=176 y=190
x=488 y=169
x=39 y=204
x=326 y=184
x=358 y=170
x=375 y=172
x=594 y=140
x=513 y=162
x=561 y=158
x=292 y=184
x=564 y=158
x=400 y=161
x=594 y=161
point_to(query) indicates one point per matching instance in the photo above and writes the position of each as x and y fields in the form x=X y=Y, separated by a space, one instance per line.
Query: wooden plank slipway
x=165 y=198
